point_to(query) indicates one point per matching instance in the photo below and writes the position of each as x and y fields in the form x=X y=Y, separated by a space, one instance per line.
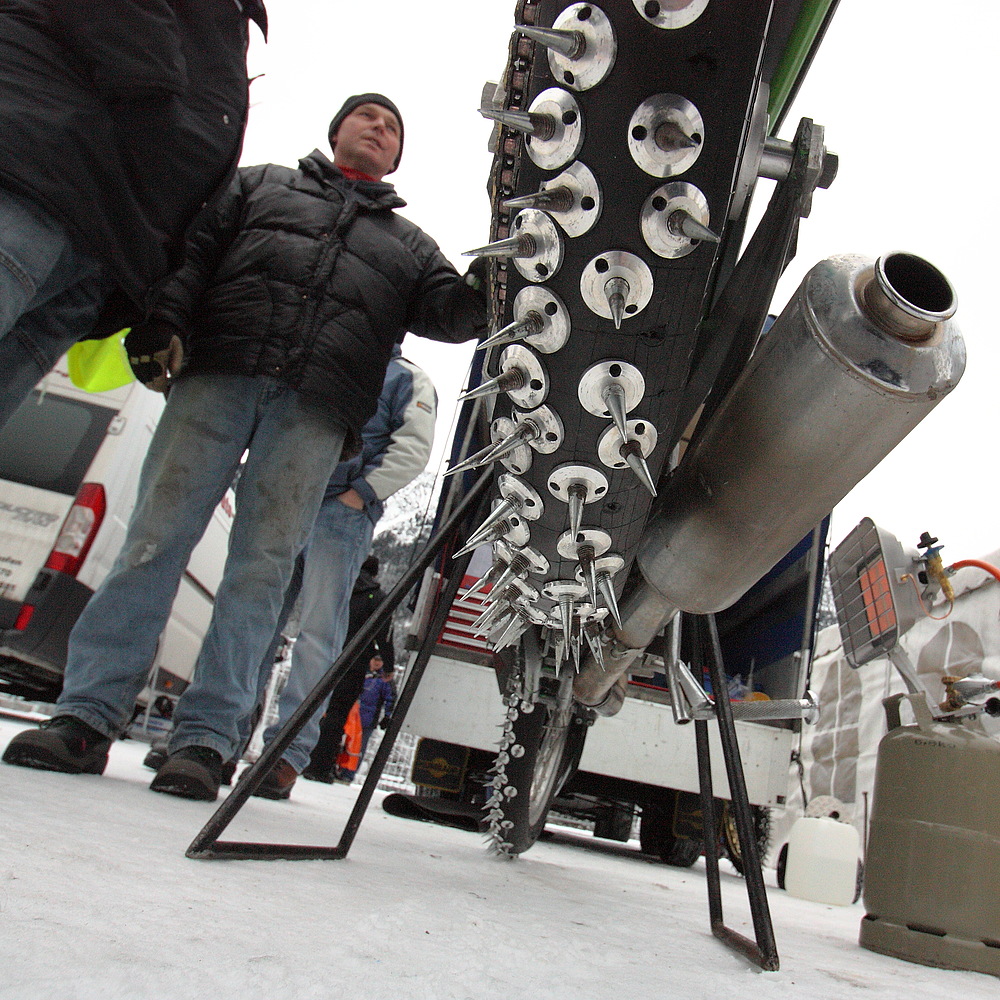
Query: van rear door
x=45 y=451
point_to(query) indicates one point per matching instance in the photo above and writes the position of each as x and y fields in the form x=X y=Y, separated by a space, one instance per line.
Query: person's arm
x=448 y=306
x=413 y=412
x=388 y=704
x=157 y=344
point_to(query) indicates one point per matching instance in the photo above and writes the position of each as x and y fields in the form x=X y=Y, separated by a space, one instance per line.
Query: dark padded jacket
x=311 y=278
x=121 y=118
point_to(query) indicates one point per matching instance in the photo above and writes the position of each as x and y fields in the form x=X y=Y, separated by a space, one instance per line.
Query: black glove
x=478 y=272
x=155 y=352
x=384 y=722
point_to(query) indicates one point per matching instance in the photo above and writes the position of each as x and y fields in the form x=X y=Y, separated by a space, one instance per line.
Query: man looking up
x=289 y=302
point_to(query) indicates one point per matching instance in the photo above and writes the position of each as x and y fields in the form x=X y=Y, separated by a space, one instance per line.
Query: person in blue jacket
x=396 y=444
x=376 y=702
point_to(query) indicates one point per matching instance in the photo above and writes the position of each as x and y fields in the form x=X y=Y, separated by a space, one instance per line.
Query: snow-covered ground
x=98 y=902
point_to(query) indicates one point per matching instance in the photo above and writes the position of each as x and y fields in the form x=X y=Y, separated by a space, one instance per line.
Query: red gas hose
x=978 y=564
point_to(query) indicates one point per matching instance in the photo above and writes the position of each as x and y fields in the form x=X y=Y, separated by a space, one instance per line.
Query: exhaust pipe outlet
x=860 y=355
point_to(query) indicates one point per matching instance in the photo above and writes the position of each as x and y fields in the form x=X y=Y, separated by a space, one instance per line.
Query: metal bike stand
x=764 y=951
x=207 y=846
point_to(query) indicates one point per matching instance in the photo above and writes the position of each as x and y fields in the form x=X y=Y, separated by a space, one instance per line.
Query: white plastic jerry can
x=822 y=861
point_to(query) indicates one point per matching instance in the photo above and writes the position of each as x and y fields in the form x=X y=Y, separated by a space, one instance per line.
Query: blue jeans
x=208 y=423
x=50 y=297
x=340 y=541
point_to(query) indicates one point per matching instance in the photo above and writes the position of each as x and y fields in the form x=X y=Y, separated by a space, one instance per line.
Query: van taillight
x=78 y=530
x=24 y=616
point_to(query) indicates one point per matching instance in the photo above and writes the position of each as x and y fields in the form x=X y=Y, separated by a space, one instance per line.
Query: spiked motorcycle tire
x=553 y=744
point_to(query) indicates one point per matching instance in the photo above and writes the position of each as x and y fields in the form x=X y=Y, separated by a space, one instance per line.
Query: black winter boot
x=157 y=757
x=278 y=782
x=327 y=775
x=192 y=773
x=63 y=743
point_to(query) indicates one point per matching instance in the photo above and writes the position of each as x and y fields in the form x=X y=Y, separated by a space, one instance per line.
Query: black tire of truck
x=553 y=744
x=657 y=837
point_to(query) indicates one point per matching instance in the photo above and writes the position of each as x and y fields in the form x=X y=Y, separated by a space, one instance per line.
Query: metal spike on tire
x=540 y=125
x=683 y=223
x=474 y=461
x=632 y=453
x=528 y=326
x=617 y=292
x=608 y=593
x=670 y=137
x=555 y=199
x=526 y=430
x=614 y=398
x=514 y=377
x=521 y=245
x=570 y=44
x=594 y=642
x=576 y=501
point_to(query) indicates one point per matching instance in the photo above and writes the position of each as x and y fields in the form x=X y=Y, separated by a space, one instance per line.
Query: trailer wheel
x=782 y=865
x=730 y=837
x=553 y=743
x=657 y=835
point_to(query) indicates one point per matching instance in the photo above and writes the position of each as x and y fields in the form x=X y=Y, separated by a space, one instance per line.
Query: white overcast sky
x=906 y=90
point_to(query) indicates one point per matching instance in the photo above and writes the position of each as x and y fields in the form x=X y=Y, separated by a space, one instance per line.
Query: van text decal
x=39 y=518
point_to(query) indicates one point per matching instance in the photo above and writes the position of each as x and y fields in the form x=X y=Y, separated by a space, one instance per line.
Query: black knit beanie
x=356 y=101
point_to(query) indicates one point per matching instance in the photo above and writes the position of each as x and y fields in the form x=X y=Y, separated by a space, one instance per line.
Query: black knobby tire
x=658 y=837
x=730 y=837
x=552 y=744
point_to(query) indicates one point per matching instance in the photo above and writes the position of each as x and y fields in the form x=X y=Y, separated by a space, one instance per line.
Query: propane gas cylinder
x=934 y=844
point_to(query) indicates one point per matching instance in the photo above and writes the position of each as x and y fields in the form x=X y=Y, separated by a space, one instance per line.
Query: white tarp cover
x=838 y=754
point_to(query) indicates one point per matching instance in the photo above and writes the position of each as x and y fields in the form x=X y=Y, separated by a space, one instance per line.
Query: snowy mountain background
x=400 y=536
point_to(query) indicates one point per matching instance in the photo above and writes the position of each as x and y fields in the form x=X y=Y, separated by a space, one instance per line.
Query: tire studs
x=527 y=122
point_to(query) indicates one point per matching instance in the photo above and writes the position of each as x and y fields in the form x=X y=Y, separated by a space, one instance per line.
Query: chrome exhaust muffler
x=860 y=355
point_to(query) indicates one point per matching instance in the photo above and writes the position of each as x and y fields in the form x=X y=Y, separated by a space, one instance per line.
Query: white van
x=69 y=466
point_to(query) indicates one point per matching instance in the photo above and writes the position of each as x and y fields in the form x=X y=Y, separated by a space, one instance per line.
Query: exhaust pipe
x=860 y=355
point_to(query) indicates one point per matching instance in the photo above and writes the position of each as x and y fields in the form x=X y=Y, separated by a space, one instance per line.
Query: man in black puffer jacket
x=119 y=120
x=289 y=303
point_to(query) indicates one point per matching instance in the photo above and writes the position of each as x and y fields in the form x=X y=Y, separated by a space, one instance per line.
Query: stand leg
x=764 y=951
x=443 y=606
x=207 y=845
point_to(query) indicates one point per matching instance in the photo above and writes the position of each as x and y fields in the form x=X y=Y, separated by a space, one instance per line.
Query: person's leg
x=323 y=757
x=50 y=297
x=365 y=737
x=192 y=458
x=292 y=456
x=340 y=541
x=249 y=723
